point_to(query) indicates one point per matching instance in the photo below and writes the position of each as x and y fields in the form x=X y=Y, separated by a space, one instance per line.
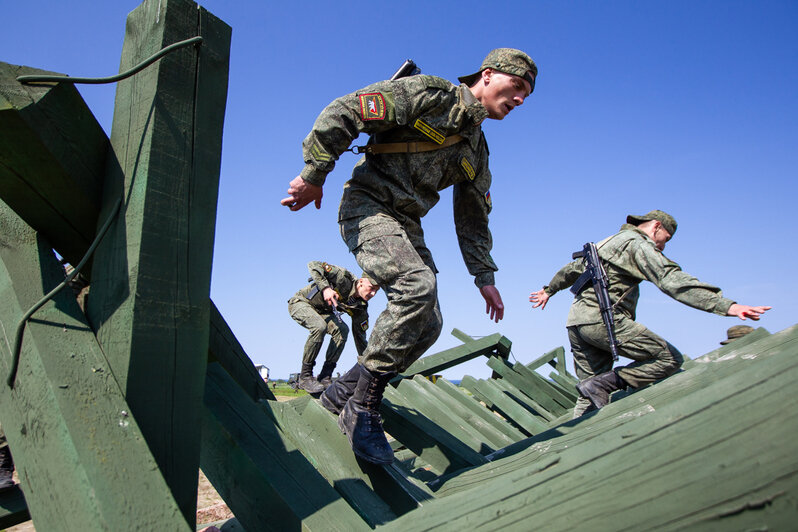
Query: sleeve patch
x=365 y=325
x=468 y=169
x=488 y=200
x=319 y=154
x=327 y=267
x=372 y=106
x=429 y=131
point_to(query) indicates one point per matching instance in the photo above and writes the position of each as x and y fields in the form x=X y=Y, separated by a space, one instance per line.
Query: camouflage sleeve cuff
x=722 y=308
x=549 y=291
x=313 y=175
x=484 y=279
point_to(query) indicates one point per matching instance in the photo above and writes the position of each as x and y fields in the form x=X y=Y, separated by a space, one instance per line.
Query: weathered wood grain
x=259 y=472
x=52 y=161
x=149 y=300
x=78 y=449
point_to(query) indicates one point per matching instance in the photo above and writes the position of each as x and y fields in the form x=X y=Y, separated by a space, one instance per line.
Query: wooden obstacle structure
x=112 y=408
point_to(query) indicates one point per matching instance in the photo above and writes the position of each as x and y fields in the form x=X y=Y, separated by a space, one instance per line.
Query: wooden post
x=78 y=450
x=149 y=301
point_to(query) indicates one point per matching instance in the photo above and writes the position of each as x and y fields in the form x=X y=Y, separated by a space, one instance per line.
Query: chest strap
x=407 y=147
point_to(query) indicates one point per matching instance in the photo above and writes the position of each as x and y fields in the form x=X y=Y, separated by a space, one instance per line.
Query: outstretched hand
x=539 y=299
x=746 y=311
x=300 y=193
x=493 y=302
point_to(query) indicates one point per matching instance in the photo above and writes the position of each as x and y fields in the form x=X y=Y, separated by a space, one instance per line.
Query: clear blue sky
x=686 y=106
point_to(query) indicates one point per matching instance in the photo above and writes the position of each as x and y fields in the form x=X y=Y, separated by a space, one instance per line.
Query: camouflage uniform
x=629 y=257
x=310 y=310
x=383 y=203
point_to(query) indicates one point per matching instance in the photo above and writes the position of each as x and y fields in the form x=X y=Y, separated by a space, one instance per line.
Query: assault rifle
x=594 y=272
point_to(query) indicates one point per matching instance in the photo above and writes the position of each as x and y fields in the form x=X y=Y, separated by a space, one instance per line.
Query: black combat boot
x=325 y=375
x=307 y=381
x=338 y=393
x=360 y=418
x=6 y=468
x=597 y=389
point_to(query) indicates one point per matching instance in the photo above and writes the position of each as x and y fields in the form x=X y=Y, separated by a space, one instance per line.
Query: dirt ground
x=210 y=506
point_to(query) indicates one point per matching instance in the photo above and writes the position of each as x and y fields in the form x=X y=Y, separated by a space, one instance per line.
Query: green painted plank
x=567 y=383
x=53 y=160
x=78 y=450
x=476 y=407
x=550 y=358
x=223 y=347
x=13 y=509
x=477 y=424
x=508 y=407
x=740 y=343
x=416 y=397
x=563 y=398
x=261 y=475
x=690 y=476
x=433 y=445
x=495 y=344
x=151 y=278
x=532 y=389
x=523 y=399
x=376 y=494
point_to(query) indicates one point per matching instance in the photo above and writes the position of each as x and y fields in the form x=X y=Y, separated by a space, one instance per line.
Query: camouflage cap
x=736 y=332
x=370 y=279
x=667 y=221
x=509 y=61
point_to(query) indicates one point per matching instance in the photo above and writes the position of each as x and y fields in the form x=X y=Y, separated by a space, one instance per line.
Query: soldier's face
x=365 y=289
x=660 y=237
x=503 y=93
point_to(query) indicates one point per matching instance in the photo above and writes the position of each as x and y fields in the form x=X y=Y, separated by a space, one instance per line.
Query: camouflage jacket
x=344 y=282
x=406 y=186
x=630 y=257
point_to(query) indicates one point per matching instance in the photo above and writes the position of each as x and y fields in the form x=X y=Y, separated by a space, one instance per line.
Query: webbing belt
x=407 y=147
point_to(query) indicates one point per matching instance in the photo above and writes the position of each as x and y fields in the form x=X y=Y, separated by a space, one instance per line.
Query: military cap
x=509 y=61
x=667 y=221
x=736 y=332
x=370 y=279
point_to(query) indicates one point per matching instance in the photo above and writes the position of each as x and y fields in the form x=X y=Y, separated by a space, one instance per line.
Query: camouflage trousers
x=654 y=358
x=395 y=255
x=318 y=324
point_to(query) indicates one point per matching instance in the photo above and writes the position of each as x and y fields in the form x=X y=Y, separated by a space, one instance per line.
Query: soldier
x=735 y=332
x=332 y=289
x=425 y=136
x=632 y=255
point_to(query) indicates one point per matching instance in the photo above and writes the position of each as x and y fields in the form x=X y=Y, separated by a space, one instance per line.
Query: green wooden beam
x=225 y=349
x=52 y=161
x=563 y=398
x=77 y=447
x=430 y=442
x=476 y=420
x=476 y=406
x=495 y=344
x=503 y=403
x=531 y=389
x=150 y=286
x=261 y=475
x=370 y=489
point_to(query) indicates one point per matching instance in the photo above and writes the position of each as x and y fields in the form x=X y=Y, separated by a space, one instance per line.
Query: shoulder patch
x=429 y=131
x=327 y=267
x=488 y=200
x=468 y=168
x=372 y=106
x=365 y=325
